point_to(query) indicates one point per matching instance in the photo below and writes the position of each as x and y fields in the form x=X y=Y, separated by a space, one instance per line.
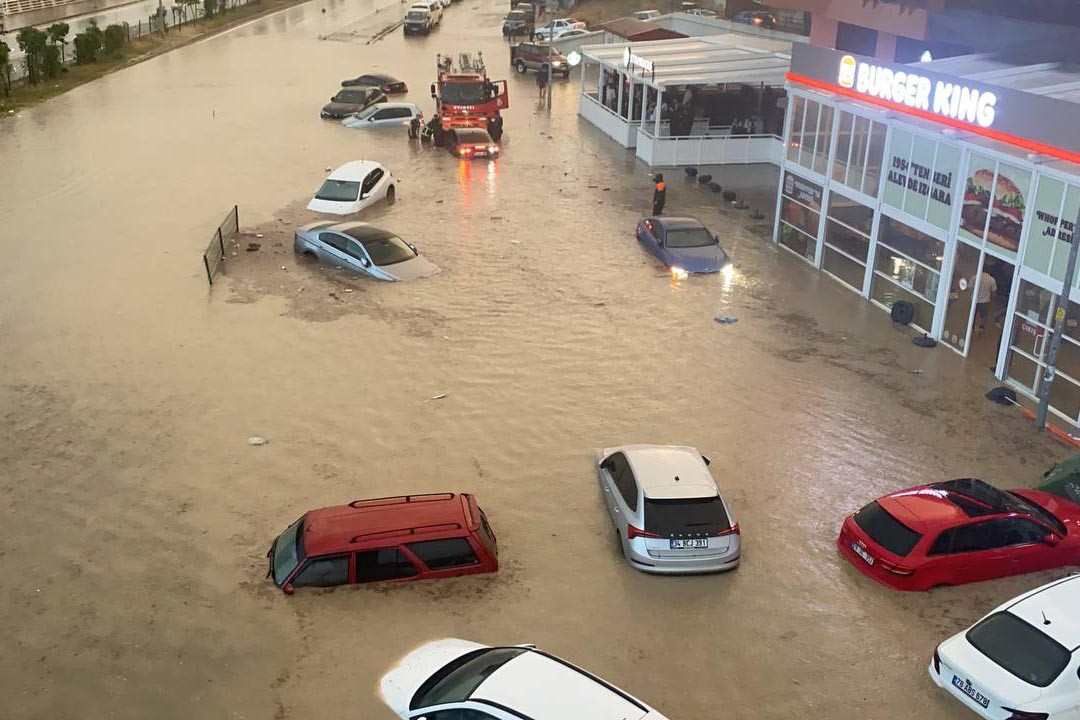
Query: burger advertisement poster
x=1002 y=203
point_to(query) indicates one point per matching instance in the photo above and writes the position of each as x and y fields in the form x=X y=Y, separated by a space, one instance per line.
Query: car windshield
x=458 y=680
x=886 y=531
x=1022 y=649
x=383 y=247
x=1040 y=513
x=339 y=191
x=688 y=238
x=463 y=93
x=705 y=516
x=288 y=552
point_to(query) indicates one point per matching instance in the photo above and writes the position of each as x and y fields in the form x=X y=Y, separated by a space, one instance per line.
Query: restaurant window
x=847 y=240
x=800 y=215
x=860 y=143
x=1051 y=229
x=994 y=204
x=811 y=134
x=907 y=266
x=921 y=177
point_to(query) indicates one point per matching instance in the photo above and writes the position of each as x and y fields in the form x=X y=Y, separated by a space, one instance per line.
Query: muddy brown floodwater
x=137 y=516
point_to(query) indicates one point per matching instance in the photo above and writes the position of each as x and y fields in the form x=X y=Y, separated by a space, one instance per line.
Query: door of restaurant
x=978 y=297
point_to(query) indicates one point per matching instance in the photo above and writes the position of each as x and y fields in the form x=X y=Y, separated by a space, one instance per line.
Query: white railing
x=624 y=131
x=708 y=149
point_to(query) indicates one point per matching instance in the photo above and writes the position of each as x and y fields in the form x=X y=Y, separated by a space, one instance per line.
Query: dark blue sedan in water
x=683 y=244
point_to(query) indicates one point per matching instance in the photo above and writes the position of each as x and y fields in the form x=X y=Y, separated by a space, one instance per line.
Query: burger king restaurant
x=951 y=185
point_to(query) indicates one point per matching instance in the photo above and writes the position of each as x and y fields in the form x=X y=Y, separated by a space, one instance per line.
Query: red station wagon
x=960 y=531
x=391 y=539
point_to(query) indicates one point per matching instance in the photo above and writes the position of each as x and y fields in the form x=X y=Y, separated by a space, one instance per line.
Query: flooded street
x=138 y=517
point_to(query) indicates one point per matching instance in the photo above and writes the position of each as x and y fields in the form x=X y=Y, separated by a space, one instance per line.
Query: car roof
x=656 y=468
x=354 y=170
x=923 y=509
x=677 y=222
x=332 y=529
x=1056 y=602
x=473 y=135
x=382 y=77
x=542 y=687
x=385 y=105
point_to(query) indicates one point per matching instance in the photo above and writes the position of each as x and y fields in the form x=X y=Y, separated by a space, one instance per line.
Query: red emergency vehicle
x=466 y=97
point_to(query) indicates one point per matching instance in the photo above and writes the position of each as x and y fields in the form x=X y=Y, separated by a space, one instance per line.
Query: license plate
x=965 y=687
x=688 y=544
x=862 y=553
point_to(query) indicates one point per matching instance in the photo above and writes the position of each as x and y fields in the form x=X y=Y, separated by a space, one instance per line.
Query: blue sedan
x=683 y=244
x=363 y=248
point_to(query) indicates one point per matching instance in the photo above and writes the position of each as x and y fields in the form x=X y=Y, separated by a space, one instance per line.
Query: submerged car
x=470 y=143
x=668 y=512
x=390 y=539
x=455 y=679
x=683 y=244
x=353 y=187
x=389 y=113
x=1021 y=661
x=363 y=248
x=351 y=100
x=387 y=83
x=959 y=531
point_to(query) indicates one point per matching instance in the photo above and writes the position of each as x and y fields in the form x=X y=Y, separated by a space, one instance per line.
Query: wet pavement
x=138 y=516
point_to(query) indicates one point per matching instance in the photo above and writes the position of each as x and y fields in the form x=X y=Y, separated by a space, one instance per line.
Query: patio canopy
x=731 y=58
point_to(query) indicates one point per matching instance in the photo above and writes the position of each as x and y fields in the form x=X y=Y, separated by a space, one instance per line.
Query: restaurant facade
x=951 y=185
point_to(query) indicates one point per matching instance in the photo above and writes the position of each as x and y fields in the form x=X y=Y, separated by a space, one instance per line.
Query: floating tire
x=704 y=179
x=902 y=312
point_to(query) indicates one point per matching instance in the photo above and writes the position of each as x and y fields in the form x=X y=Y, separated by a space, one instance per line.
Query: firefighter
x=494 y=128
x=659 y=194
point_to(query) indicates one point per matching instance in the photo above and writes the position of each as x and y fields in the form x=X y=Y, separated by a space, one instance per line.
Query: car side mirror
x=706 y=459
x=288 y=588
x=1051 y=540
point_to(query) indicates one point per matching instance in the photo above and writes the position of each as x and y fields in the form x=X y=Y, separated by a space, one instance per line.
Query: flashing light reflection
x=677 y=273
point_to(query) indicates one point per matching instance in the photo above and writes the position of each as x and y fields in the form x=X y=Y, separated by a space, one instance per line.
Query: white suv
x=454 y=679
x=1020 y=662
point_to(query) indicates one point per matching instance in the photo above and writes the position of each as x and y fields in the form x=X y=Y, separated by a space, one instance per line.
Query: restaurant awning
x=731 y=58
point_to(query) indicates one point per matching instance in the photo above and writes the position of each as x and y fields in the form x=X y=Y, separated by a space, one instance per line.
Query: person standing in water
x=659 y=194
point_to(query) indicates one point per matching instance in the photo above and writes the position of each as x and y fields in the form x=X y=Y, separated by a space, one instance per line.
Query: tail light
x=937 y=662
x=1024 y=715
x=895 y=569
x=733 y=530
x=632 y=532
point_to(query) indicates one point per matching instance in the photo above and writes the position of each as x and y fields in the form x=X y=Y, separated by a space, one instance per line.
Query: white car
x=1020 y=662
x=389 y=113
x=554 y=28
x=573 y=32
x=668 y=512
x=432 y=6
x=353 y=187
x=457 y=679
x=645 y=14
x=445 y=3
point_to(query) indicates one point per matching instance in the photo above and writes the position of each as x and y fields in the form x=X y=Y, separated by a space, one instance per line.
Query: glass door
x=962 y=291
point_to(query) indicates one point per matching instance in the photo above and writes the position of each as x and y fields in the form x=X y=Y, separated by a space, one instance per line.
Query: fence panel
x=226 y=234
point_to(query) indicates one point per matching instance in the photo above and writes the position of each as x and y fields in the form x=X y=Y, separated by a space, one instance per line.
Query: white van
x=432 y=6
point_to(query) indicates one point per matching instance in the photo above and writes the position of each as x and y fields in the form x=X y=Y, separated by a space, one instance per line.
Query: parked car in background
x=668 y=512
x=418 y=21
x=554 y=28
x=645 y=14
x=351 y=100
x=683 y=244
x=387 y=83
x=388 y=113
x=470 y=143
x=692 y=9
x=759 y=18
x=1021 y=661
x=532 y=56
x=353 y=187
x=363 y=248
x=571 y=33
x=435 y=7
x=959 y=531
x=518 y=23
x=391 y=539
x=455 y=679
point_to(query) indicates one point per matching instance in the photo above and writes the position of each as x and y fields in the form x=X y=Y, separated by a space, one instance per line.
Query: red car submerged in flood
x=960 y=531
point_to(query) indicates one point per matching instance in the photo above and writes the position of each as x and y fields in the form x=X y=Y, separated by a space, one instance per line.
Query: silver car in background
x=668 y=512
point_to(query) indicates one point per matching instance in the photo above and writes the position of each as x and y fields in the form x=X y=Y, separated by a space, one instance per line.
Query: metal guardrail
x=227 y=231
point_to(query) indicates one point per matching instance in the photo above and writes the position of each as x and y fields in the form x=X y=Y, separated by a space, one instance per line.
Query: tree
x=5 y=69
x=87 y=44
x=209 y=6
x=57 y=33
x=50 y=61
x=114 y=39
x=32 y=43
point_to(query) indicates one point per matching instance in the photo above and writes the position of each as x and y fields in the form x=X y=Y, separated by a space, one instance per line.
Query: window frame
x=341 y=238
x=409 y=547
x=322 y=558
x=396 y=548
x=365 y=188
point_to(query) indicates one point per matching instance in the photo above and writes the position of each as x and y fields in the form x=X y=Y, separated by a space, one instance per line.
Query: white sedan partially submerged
x=460 y=679
x=383 y=114
x=354 y=187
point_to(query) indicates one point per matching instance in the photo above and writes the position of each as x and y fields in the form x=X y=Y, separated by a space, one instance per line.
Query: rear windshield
x=1025 y=651
x=417 y=14
x=456 y=681
x=694 y=516
x=886 y=531
x=339 y=191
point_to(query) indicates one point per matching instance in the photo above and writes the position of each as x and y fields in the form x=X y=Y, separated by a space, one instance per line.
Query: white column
x=659 y=104
x=644 y=101
x=618 y=95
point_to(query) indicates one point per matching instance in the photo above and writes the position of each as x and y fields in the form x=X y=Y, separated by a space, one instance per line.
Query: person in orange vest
x=659 y=194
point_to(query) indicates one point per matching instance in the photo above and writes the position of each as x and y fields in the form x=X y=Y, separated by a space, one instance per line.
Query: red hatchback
x=410 y=537
x=960 y=531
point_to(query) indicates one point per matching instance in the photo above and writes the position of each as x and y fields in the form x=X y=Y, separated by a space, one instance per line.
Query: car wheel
x=391 y=196
x=520 y=67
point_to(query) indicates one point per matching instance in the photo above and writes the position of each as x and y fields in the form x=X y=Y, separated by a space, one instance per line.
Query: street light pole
x=1058 y=330
x=550 y=75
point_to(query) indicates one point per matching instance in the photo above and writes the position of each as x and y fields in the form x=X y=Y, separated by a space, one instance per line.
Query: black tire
x=521 y=67
x=902 y=312
x=391 y=195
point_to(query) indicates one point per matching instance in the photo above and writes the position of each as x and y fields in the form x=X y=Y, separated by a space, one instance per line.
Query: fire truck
x=466 y=97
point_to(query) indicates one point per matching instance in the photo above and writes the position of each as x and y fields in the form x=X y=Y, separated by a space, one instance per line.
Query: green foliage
x=114 y=39
x=87 y=44
x=209 y=8
x=5 y=70
x=32 y=42
x=50 y=61
x=57 y=33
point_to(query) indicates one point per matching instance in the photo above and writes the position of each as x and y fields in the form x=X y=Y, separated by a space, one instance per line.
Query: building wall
x=898 y=211
x=17 y=14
